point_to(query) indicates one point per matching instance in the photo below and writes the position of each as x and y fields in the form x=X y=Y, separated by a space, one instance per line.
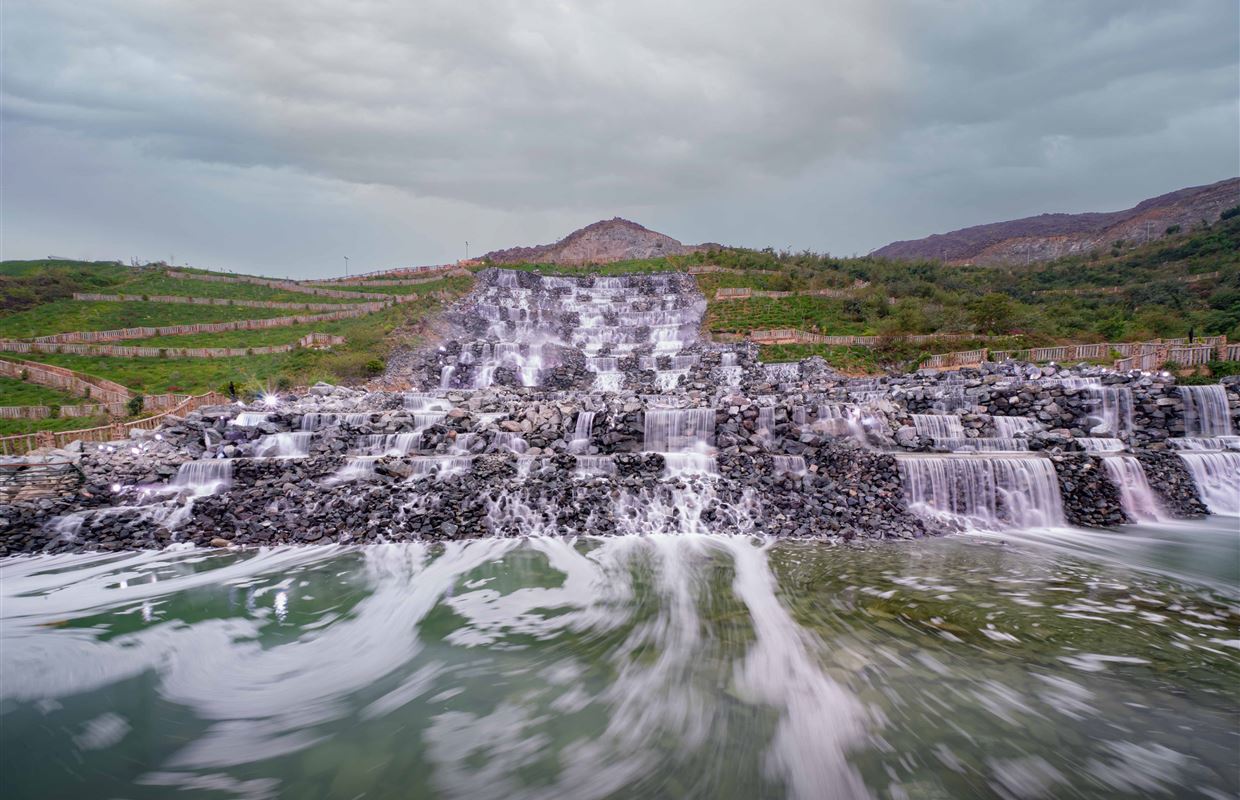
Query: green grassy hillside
x=34 y=301
x=16 y=392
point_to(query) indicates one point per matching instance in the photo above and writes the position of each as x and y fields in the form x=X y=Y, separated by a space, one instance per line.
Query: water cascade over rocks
x=590 y=405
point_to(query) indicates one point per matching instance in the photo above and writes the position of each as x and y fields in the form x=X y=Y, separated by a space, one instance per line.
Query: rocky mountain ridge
x=601 y=242
x=1048 y=236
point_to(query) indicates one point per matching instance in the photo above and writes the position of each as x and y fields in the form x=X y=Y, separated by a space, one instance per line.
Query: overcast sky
x=279 y=136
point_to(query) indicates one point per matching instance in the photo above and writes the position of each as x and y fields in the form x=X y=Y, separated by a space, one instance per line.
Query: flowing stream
x=1075 y=665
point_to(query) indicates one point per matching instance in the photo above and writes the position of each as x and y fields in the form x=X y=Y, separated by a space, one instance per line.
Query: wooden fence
x=1146 y=356
x=744 y=293
x=65 y=380
x=396 y=282
x=963 y=358
x=356 y=280
x=68 y=412
x=796 y=336
x=312 y=340
x=356 y=310
x=204 y=301
x=26 y=442
x=288 y=286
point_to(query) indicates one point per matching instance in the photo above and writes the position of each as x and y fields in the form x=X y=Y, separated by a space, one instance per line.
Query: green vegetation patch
x=16 y=392
x=819 y=314
x=158 y=283
x=453 y=283
x=65 y=316
x=9 y=427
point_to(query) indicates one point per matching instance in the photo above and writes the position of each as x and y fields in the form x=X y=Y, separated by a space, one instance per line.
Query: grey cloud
x=837 y=125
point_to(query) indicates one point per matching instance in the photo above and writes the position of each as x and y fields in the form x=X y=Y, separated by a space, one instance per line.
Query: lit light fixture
x=270 y=400
x=116 y=487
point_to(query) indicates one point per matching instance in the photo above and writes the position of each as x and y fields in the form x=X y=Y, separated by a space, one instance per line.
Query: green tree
x=992 y=313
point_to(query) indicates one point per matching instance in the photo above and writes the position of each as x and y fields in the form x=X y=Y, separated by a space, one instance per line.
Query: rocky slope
x=1049 y=236
x=600 y=243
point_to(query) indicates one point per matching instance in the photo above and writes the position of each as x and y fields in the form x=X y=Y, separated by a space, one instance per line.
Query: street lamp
x=346 y=266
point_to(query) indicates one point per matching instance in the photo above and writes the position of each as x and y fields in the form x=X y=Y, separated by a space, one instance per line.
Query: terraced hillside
x=48 y=299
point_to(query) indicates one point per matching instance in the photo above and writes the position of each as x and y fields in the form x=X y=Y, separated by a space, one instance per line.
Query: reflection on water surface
x=1069 y=665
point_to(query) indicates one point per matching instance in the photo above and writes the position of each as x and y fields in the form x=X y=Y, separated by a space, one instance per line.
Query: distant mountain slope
x=602 y=242
x=1049 y=236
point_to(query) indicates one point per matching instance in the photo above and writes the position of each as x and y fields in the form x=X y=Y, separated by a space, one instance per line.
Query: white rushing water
x=685 y=437
x=1011 y=427
x=284 y=445
x=584 y=428
x=1217 y=476
x=985 y=492
x=938 y=426
x=1206 y=412
x=530 y=316
x=1136 y=496
x=204 y=477
x=1100 y=444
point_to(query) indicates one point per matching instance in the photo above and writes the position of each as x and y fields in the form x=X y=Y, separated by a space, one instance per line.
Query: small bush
x=284 y=383
x=135 y=405
x=53 y=412
x=1221 y=369
x=375 y=366
x=25 y=374
x=1172 y=229
x=163 y=352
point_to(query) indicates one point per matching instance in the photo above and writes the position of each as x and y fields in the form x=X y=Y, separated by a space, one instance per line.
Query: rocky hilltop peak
x=1049 y=236
x=604 y=241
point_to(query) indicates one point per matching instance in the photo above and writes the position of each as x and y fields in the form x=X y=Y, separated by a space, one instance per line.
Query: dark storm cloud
x=399 y=130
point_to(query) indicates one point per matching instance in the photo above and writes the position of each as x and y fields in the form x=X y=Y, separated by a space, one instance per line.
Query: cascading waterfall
x=534 y=315
x=982 y=445
x=938 y=426
x=1217 y=476
x=248 y=419
x=1011 y=427
x=1112 y=404
x=284 y=445
x=1206 y=411
x=1207 y=429
x=669 y=430
x=984 y=492
x=438 y=466
x=1211 y=443
x=390 y=443
x=1136 y=497
x=315 y=420
x=596 y=465
x=685 y=437
x=791 y=465
x=582 y=432
x=203 y=477
x=1100 y=444
x=766 y=423
x=860 y=423
x=508 y=441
